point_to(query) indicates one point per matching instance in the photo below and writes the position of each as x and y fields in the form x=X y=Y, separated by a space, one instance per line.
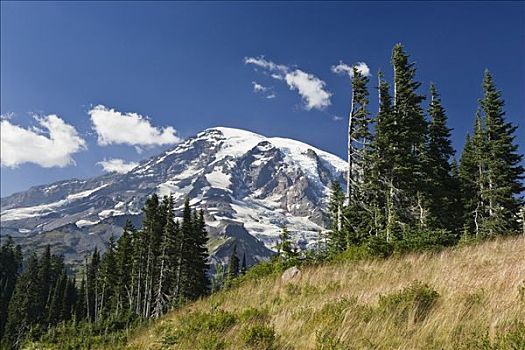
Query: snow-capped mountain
x=248 y=185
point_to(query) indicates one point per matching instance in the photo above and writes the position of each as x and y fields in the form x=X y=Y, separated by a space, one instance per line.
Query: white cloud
x=258 y=87
x=311 y=88
x=343 y=68
x=51 y=144
x=271 y=95
x=263 y=63
x=336 y=118
x=114 y=127
x=117 y=165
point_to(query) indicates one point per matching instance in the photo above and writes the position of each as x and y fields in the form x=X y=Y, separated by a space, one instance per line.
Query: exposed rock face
x=248 y=185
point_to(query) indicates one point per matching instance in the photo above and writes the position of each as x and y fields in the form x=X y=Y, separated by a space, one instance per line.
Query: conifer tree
x=70 y=300
x=152 y=227
x=336 y=241
x=217 y=280
x=26 y=307
x=124 y=266
x=381 y=182
x=183 y=276
x=358 y=134
x=504 y=172
x=233 y=265
x=410 y=128
x=10 y=266
x=108 y=278
x=92 y=286
x=285 y=247
x=243 y=264
x=168 y=245
x=45 y=275
x=201 y=256
x=57 y=306
x=440 y=187
x=81 y=302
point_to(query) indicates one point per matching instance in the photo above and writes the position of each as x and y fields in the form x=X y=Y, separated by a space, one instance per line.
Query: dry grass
x=481 y=296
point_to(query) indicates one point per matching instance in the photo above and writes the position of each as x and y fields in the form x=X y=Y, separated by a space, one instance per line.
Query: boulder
x=292 y=273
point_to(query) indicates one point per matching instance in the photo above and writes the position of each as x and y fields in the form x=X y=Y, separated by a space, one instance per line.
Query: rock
x=292 y=273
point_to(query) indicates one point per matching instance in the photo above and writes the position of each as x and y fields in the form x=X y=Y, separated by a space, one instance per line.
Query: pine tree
x=183 y=276
x=10 y=266
x=440 y=187
x=358 y=134
x=410 y=129
x=56 y=307
x=168 y=245
x=70 y=300
x=336 y=241
x=124 y=267
x=45 y=276
x=152 y=231
x=108 y=279
x=285 y=247
x=26 y=308
x=243 y=264
x=92 y=286
x=504 y=172
x=233 y=265
x=201 y=257
x=218 y=278
x=81 y=302
x=382 y=190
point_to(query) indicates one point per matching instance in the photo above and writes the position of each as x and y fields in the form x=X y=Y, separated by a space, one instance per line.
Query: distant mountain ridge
x=249 y=186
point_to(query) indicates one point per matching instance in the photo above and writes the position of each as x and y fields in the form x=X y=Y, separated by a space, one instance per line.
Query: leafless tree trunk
x=159 y=298
x=350 y=152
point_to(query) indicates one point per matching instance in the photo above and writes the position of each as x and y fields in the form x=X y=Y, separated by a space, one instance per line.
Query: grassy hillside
x=466 y=297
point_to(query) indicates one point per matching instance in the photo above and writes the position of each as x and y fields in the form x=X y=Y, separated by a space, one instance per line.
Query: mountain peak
x=238 y=177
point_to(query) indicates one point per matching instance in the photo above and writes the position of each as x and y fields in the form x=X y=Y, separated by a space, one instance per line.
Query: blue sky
x=183 y=65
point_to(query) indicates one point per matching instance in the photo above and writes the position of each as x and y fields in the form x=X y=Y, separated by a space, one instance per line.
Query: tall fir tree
x=92 y=286
x=504 y=172
x=233 y=265
x=410 y=130
x=166 y=269
x=440 y=188
x=472 y=172
x=10 y=268
x=124 y=266
x=382 y=158
x=358 y=135
x=336 y=240
x=244 y=268
x=26 y=308
x=200 y=263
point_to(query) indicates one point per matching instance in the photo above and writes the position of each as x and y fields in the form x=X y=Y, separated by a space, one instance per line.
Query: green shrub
x=420 y=240
x=332 y=314
x=521 y=292
x=195 y=323
x=327 y=341
x=259 y=336
x=417 y=298
x=512 y=338
x=353 y=253
x=253 y=314
x=211 y=342
x=292 y=289
x=378 y=247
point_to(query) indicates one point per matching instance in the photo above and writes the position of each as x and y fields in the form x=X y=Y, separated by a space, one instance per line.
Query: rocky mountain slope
x=248 y=185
